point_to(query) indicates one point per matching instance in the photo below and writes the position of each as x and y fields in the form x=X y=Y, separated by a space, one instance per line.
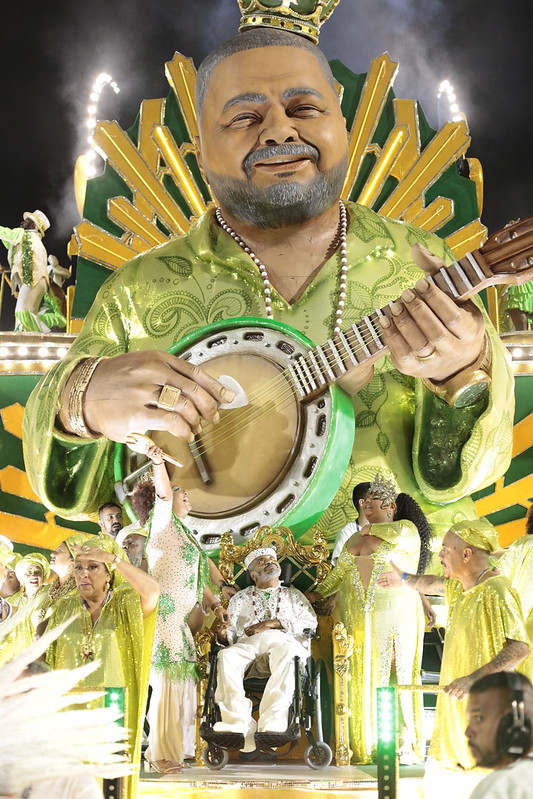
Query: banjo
x=281 y=448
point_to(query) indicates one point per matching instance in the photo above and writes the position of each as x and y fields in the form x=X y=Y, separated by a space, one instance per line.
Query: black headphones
x=513 y=736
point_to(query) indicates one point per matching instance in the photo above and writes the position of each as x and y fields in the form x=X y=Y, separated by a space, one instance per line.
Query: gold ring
x=168 y=398
x=427 y=357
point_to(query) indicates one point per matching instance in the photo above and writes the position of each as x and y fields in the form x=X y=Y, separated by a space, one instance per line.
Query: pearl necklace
x=267 y=288
x=265 y=606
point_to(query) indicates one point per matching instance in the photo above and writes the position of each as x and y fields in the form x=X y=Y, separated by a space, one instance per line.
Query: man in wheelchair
x=267 y=619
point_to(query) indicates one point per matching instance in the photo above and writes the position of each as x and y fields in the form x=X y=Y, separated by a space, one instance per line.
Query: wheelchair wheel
x=324 y=711
x=215 y=757
x=318 y=756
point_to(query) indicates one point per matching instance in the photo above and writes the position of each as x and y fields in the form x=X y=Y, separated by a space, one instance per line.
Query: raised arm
x=162 y=485
x=142 y=582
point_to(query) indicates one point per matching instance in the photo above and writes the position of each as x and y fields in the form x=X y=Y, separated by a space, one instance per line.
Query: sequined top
x=387 y=627
x=437 y=454
x=480 y=621
x=516 y=564
x=112 y=640
x=27 y=256
x=121 y=639
x=19 y=639
x=53 y=592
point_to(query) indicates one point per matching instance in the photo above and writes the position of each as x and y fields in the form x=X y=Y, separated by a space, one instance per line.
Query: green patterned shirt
x=437 y=454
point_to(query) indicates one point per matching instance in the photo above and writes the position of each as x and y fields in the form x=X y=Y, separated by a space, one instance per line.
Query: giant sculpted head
x=273 y=142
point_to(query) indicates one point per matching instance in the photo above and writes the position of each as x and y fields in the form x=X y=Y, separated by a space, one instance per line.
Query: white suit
x=246 y=608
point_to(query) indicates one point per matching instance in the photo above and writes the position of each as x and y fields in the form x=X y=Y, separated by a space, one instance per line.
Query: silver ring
x=168 y=398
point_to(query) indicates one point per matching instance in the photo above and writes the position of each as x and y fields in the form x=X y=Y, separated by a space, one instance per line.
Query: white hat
x=56 y=268
x=39 y=218
x=256 y=553
x=134 y=528
x=6 y=541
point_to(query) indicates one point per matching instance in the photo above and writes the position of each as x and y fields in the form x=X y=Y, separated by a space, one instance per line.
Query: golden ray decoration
x=12 y=416
x=15 y=481
x=147 y=166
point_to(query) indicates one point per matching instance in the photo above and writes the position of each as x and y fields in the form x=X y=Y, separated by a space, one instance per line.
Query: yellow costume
x=121 y=639
x=387 y=626
x=480 y=620
x=22 y=635
x=516 y=564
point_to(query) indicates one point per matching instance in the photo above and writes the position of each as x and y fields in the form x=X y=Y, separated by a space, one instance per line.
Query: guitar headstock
x=509 y=252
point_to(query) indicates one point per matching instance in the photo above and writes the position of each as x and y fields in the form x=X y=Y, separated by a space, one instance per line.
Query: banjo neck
x=507 y=257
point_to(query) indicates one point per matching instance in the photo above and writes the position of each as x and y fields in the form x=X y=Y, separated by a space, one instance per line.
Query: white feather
x=39 y=738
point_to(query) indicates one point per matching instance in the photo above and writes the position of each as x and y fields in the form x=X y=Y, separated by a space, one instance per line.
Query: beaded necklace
x=267 y=288
x=58 y=590
x=478 y=578
x=265 y=606
x=86 y=651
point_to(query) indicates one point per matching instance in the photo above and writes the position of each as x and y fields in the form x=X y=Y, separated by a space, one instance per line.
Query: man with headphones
x=499 y=712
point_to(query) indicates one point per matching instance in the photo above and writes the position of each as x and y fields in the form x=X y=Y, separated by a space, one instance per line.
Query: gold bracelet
x=82 y=375
x=469 y=384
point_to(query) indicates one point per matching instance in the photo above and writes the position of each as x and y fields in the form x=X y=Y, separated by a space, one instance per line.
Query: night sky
x=50 y=54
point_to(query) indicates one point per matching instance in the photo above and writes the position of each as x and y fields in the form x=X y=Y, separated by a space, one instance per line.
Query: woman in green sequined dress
x=181 y=568
x=114 y=608
x=387 y=628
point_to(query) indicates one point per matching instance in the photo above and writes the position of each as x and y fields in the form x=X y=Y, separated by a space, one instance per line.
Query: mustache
x=272 y=151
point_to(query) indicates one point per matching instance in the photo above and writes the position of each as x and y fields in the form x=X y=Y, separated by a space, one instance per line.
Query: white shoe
x=221 y=726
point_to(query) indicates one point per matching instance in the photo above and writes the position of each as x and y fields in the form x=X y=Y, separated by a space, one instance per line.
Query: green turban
x=15 y=558
x=77 y=538
x=7 y=556
x=108 y=544
x=33 y=559
x=478 y=533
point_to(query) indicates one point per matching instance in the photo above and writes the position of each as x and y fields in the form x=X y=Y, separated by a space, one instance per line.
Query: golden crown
x=303 y=17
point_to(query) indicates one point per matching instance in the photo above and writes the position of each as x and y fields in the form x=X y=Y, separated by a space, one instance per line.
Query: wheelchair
x=304 y=716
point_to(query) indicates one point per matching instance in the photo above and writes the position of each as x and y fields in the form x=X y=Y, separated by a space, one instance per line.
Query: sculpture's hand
x=123 y=392
x=429 y=335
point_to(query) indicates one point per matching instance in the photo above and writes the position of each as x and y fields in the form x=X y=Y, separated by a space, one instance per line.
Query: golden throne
x=310 y=564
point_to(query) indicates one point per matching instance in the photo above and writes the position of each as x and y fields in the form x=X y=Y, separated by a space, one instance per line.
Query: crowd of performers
x=127 y=583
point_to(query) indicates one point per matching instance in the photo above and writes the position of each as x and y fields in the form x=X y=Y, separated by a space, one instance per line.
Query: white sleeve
x=297 y=615
x=240 y=611
x=347 y=531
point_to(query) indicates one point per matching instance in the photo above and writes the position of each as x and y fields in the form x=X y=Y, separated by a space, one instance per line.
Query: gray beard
x=281 y=205
x=136 y=561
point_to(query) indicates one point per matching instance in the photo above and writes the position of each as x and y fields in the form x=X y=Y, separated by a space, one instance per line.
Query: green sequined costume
x=387 y=625
x=122 y=640
x=436 y=454
x=180 y=566
x=480 y=622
